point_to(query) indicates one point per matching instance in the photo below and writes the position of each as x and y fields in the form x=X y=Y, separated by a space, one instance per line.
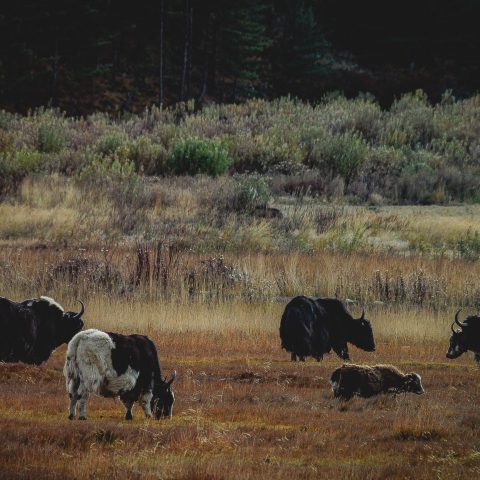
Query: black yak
x=33 y=329
x=467 y=338
x=315 y=326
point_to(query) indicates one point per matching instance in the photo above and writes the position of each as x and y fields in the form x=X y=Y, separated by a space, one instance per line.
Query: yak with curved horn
x=465 y=339
x=315 y=326
x=33 y=329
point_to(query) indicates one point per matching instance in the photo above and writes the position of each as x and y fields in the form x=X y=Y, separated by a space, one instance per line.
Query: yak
x=365 y=381
x=115 y=365
x=467 y=338
x=315 y=326
x=31 y=330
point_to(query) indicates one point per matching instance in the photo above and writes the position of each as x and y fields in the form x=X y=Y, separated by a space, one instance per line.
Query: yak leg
x=83 y=395
x=145 y=402
x=302 y=358
x=128 y=407
x=342 y=351
x=73 y=396
x=294 y=357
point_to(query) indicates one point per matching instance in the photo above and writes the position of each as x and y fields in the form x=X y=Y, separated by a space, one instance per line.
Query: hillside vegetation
x=202 y=178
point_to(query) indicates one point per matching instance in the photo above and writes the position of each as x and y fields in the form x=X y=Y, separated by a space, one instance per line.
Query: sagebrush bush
x=110 y=142
x=413 y=152
x=340 y=154
x=149 y=158
x=192 y=156
x=15 y=166
x=251 y=193
x=50 y=139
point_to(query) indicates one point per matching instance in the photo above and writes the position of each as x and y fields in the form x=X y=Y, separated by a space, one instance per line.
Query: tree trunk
x=187 y=53
x=161 y=97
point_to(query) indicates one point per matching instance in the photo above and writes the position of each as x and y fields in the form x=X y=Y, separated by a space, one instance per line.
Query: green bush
x=194 y=155
x=268 y=152
x=341 y=154
x=50 y=139
x=411 y=122
x=14 y=167
x=251 y=192
x=110 y=142
x=149 y=158
x=468 y=247
x=111 y=168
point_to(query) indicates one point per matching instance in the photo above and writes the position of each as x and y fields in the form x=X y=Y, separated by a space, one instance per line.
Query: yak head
x=461 y=340
x=59 y=326
x=163 y=398
x=71 y=324
x=362 y=333
x=413 y=383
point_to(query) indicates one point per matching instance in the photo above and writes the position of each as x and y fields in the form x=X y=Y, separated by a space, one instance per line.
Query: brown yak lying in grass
x=365 y=381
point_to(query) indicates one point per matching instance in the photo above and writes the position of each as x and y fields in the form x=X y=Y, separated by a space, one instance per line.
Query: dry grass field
x=243 y=410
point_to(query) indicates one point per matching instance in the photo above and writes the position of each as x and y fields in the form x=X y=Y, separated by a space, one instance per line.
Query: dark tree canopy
x=87 y=55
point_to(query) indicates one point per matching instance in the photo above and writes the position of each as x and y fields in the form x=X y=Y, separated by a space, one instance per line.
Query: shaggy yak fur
x=365 y=381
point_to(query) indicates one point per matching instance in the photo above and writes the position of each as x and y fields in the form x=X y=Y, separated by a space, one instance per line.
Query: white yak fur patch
x=52 y=302
x=89 y=360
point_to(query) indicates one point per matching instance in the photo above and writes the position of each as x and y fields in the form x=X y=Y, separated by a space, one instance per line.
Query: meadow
x=243 y=410
x=377 y=207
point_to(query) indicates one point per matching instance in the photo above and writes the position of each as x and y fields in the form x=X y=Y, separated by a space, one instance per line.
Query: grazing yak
x=33 y=329
x=111 y=365
x=467 y=338
x=313 y=327
x=365 y=381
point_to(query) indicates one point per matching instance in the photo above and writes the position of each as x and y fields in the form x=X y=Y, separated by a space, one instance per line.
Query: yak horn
x=456 y=319
x=362 y=317
x=80 y=313
x=453 y=329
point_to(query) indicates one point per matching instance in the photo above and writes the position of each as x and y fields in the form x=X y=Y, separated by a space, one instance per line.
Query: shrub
x=110 y=142
x=103 y=169
x=149 y=158
x=410 y=121
x=14 y=167
x=194 y=155
x=6 y=118
x=266 y=152
x=50 y=139
x=468 y=247
x=251 y=192
x=341 y=154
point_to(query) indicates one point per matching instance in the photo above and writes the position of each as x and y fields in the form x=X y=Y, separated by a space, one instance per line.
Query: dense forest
x=90 y=55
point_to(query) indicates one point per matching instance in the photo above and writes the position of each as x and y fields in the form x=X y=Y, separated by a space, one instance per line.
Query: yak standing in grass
x=467 y=338
x=313 y=327
x=33 y=329
x=365 y=381
x=115 y=365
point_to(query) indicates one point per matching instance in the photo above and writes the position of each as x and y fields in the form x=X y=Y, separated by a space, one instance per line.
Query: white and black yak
x=115 y=365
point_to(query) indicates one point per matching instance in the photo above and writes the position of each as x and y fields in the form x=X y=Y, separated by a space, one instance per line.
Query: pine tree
x=300 y=52
x=242 y=43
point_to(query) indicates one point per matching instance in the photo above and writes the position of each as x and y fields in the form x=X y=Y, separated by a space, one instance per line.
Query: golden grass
x=243 y=409
x=192 y=212
x=267 y=418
